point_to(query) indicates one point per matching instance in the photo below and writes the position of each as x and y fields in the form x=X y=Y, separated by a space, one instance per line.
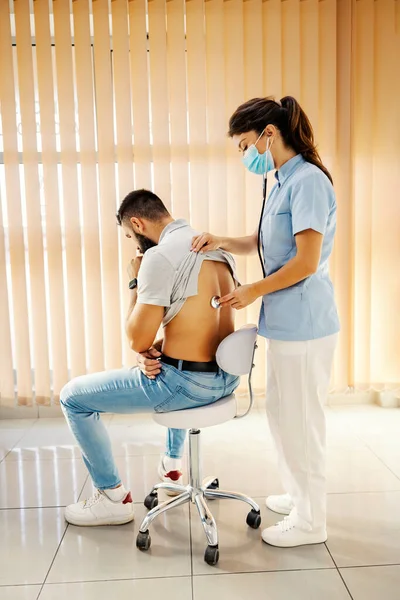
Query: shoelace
x=95 y=499
x=286 y=525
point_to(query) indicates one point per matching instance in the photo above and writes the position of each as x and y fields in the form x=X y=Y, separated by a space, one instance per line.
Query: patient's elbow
x=135 y=346
x=138 y=345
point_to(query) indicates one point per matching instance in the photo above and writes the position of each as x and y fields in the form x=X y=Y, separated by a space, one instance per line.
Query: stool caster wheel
x=211 y=555
x=151 y=501
x=143 y=541
x=214 y=485
x=253 y=519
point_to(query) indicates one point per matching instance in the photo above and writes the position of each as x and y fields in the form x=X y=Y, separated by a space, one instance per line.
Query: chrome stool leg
x=211 y=555
x=158 y=510
x=196 y=492
x=207 y=520
x=224 y=495
x=253 y=519
x=194 y=460
x=151 y=501
x=169 y=487
x=143 y=540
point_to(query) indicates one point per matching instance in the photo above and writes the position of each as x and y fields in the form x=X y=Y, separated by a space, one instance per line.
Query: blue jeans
x=128 y=391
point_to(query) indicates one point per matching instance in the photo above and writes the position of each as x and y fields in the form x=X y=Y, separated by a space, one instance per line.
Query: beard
x=144 y=243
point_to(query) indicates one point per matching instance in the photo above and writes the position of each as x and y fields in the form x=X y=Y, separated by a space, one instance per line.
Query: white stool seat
x=196 y=418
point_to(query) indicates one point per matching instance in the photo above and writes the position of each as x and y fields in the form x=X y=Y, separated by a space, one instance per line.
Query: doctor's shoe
x=100 y=509
x=286 y=534
x=170 y=471
x=283 y=505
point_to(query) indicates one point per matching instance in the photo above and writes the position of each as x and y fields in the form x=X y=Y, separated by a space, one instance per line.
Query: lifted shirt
x=170 y=271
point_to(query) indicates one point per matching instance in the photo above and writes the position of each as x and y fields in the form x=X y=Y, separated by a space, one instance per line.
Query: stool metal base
x=197 y=492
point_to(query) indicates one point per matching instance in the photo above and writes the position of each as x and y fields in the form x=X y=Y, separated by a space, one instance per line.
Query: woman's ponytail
x=300 y=134
x=288 y=116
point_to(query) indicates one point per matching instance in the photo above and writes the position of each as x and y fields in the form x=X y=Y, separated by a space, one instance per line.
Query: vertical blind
x=98 y=98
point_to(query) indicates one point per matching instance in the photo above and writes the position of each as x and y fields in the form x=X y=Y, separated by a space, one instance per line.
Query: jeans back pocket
x=185 y=398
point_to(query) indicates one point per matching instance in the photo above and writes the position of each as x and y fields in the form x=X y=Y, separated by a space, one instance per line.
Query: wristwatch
x=133 y=284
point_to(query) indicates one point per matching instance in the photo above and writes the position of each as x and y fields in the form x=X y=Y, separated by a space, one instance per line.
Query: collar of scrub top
x=288 y=168
x=177 y=224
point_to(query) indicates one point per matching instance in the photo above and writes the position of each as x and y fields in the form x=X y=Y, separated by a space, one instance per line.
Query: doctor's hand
x=206 y=242
x=240 y=298
x=147 y=363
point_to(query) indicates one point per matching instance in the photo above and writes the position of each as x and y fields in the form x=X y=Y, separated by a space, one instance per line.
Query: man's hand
x=147 y=363
x=134 y=267
x=240 y=298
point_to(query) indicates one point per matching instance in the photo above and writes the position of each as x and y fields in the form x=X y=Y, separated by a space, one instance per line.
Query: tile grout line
x=53 y=583
x=382 y=461
x=52 y=562
x=256 y=497
x=371 y=566
x=137 y=503
x=338 y=571
x=80 y=582
x=35 y=421
x=223 y=574
x=18 y=441
x=59 y=545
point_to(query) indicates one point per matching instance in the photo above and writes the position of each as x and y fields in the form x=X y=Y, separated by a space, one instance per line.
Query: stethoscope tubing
x=260 y=224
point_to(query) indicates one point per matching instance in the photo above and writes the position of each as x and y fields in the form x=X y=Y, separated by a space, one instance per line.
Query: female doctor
x=298 y=315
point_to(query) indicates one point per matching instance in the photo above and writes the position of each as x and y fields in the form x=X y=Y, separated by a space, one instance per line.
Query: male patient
x=170 y=286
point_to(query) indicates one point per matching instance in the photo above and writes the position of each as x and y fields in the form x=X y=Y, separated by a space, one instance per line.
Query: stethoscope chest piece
x=215 y=302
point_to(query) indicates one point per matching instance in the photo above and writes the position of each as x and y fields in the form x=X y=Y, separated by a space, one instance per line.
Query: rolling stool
x=235 y=355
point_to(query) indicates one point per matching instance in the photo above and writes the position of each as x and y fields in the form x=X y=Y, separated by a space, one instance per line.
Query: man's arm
x=144 y=318
x=142 y=324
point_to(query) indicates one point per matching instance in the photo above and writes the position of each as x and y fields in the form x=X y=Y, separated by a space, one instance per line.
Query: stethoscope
x=215 y=299
x=260 y=256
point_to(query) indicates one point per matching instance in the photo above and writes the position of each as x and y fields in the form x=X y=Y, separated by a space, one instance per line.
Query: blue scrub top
x=303 y=198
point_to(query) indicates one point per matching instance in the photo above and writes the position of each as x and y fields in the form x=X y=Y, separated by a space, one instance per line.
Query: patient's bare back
x=196 y=331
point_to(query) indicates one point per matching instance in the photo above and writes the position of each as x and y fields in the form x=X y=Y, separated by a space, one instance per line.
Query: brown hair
x=288 y=116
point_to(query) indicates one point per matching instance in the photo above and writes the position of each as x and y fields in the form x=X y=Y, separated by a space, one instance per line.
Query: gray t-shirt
x=169 y=272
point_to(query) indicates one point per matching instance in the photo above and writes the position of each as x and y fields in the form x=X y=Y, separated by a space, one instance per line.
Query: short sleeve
x=311 y=202
x=155 y=281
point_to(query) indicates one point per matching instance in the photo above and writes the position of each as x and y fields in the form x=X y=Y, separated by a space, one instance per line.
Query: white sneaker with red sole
x=170 y=471
x=100 y=509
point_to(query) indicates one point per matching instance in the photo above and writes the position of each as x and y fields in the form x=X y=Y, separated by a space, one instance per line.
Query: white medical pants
x=298 y=375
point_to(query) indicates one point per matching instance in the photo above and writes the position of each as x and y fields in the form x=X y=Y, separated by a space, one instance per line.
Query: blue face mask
x=258 y=163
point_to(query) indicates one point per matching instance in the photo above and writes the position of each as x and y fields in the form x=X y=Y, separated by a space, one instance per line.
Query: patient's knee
x=70 y=393
x=66 y=395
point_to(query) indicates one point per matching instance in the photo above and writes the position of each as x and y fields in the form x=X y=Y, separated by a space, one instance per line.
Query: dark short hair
x=142 y=204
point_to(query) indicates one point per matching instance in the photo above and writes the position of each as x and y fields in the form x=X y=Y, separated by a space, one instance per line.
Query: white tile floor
x=41 y=557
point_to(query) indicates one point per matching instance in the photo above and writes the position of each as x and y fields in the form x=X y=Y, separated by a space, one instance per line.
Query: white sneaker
x=170 y=471
x=101 y=510
x=283 y=505
x=286 y=534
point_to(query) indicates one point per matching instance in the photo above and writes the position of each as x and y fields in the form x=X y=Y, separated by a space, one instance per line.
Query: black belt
x=188 y=365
